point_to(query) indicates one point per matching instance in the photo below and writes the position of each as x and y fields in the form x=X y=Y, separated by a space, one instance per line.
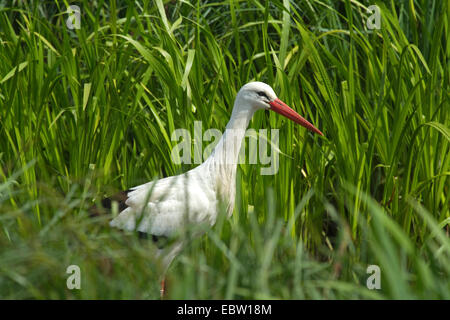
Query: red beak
x=282 y=108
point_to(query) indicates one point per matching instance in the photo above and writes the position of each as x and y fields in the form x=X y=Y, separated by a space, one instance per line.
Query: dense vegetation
x=81 y=109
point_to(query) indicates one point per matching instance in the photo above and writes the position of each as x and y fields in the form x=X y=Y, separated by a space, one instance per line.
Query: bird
x=162 y=209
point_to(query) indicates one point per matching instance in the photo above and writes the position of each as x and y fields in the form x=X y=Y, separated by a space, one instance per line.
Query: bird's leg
x=162 y=291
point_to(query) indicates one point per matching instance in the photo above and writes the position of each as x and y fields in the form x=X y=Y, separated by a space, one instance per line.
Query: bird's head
x=259 y=95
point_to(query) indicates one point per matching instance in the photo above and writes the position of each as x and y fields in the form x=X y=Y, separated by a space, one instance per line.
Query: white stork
x=165 y=207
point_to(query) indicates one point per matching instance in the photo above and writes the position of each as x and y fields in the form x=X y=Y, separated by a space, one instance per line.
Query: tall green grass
x=84 y=109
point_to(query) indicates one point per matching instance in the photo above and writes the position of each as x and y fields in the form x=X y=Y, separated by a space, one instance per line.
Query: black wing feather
x=121 y=198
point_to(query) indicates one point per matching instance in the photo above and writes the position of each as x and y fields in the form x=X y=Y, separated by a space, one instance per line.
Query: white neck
x=226 y=152
x=222 y=163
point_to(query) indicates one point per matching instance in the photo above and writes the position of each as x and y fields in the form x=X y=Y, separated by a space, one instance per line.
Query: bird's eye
x=262 y=94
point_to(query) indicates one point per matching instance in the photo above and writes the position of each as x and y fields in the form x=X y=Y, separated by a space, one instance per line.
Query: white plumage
x=165 y=202
x=165 y=207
